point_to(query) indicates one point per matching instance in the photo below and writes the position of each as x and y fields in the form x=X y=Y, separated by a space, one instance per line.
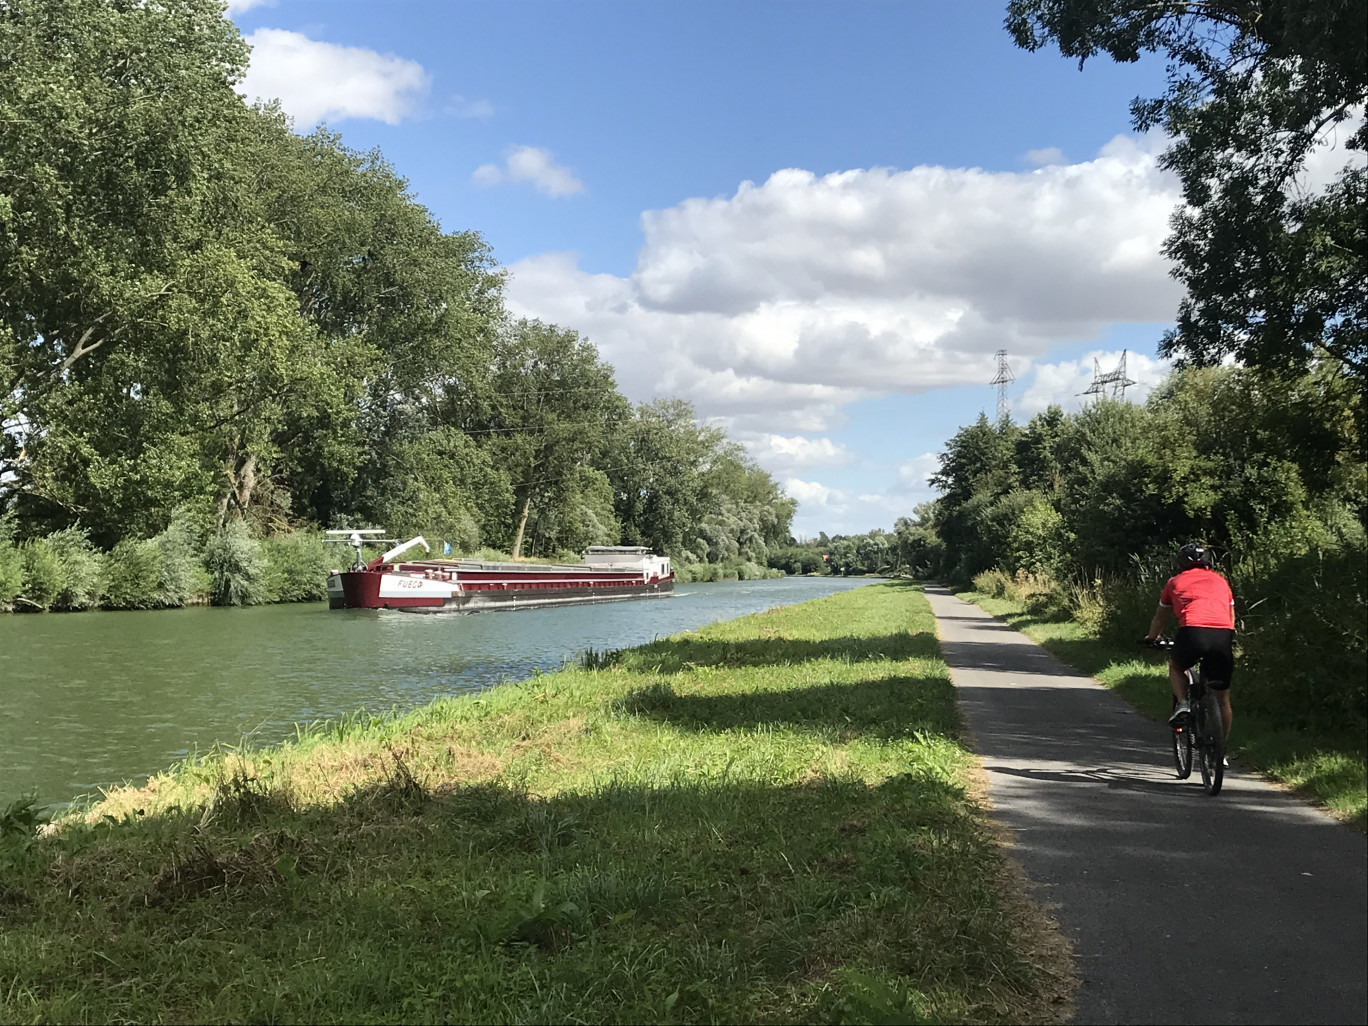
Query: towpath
x=1250 y=907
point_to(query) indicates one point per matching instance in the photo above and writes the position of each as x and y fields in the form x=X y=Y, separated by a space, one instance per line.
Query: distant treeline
x=209 y=320
x=1082 y=515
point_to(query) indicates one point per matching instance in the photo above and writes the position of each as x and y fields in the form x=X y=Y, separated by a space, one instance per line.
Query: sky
x=817 y=222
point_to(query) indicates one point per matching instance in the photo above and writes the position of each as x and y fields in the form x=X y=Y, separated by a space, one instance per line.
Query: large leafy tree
x=147 y=343
x=406 y=311
x=1275 y=263
x=660 y=460
x=548 y=416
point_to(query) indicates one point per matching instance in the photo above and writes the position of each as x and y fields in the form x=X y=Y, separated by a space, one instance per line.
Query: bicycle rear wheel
x=1211 y=745
x=1182 y=738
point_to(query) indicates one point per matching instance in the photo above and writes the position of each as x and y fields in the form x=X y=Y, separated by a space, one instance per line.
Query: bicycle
x=1202 y=730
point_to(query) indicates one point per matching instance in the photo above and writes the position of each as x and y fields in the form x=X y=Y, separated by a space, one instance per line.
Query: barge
x=609 y=573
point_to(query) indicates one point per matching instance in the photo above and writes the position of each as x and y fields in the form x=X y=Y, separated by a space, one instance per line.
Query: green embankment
x=771 y=819
x=1329 y=769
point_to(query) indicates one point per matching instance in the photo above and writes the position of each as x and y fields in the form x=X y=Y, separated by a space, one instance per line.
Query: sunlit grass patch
x=766 y=820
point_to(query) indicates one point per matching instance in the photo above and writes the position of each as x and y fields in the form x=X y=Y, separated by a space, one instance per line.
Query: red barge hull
x=468 y=586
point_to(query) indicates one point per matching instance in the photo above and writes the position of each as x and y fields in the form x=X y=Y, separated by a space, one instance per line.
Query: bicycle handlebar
x=1157 y=642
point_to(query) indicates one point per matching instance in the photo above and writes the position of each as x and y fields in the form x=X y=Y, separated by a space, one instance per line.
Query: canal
x=92 y=699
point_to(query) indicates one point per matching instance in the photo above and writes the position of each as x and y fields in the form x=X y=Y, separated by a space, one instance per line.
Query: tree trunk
x=246 y=482
x=242 y=481
x=522 y=526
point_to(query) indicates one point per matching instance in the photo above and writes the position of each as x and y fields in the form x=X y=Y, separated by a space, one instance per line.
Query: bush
x=1303 y=651
x=82 y=569
x=42 y=575
x=698 y=573
x=181 y=576
x=132 y=575
x=1120 y=608
x=992 y=582
x=1038 y=542
x=11 y=564
x=236 y=567
x=296 y=567
x=1052 y=602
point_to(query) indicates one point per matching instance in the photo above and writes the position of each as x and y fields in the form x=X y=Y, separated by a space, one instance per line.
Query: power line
x=1002 y=379
x=1116 y=379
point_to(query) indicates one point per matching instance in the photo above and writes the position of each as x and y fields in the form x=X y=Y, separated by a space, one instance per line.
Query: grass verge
x=1329 y=769
x=767 y=820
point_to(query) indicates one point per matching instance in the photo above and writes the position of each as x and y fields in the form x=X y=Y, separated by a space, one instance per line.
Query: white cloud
x=530 y=164
x=315 y=80
x=914 y=472
x=238 y=6
x=822 y=508
x=776 y=306
x=813 y=493
x=781 y=453
x=462 y=107
x=1330 y=156
x=1045 y=157
x=1066 y=382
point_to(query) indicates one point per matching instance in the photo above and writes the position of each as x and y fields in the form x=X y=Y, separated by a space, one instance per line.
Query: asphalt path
x=1250 y=907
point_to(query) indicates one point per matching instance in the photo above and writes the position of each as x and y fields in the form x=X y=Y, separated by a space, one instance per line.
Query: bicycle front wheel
x=1211 y=745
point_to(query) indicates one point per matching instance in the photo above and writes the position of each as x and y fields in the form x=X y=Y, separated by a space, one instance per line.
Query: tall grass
x=766 y=820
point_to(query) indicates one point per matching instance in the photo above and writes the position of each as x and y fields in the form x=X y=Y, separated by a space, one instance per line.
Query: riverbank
x=1326 y=768
x=770 y=819
x=190 y=565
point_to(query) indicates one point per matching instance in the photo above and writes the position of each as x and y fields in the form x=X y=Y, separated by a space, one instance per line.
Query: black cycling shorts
x=1210 y=645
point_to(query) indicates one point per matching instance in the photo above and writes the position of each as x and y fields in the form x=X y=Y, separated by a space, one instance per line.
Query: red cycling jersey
x=1200 y=597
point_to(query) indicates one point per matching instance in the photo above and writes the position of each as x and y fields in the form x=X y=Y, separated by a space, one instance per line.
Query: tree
x=553 y=405
x=122 y=170
x=408 y=314
x=1276 y=271
x=151 y=337
x=977 y=469
x=660 y=458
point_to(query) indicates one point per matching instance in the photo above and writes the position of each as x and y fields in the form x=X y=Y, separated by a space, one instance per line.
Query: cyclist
x=1201 y=601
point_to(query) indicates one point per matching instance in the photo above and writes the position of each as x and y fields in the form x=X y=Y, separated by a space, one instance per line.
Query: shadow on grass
x=676 y=655
x=484 y=903
x=888 y=709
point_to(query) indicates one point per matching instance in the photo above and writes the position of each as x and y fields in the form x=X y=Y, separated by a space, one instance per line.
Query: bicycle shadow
x=1112 y=780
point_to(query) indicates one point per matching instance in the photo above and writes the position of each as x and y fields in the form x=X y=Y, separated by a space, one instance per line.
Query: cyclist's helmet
x=1194 y=554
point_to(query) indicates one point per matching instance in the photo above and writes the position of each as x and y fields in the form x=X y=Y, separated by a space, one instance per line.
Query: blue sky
x=815 y=221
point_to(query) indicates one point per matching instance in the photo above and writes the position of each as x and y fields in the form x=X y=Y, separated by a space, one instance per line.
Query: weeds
x=764 y=820
x=23 y=817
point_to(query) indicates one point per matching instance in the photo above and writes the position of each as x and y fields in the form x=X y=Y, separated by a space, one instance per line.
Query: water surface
x=91 y=699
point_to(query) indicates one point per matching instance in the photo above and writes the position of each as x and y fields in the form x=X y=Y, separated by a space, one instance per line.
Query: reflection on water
x=87 y=699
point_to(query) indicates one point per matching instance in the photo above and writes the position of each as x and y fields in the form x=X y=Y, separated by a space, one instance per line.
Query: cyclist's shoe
x=1180 y=713
x=1226 y=762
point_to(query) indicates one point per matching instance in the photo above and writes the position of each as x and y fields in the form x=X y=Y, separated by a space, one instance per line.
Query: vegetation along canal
x=89 y=700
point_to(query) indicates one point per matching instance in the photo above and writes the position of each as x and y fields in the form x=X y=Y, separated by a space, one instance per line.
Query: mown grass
x=768 y=820
x=1328 y=768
